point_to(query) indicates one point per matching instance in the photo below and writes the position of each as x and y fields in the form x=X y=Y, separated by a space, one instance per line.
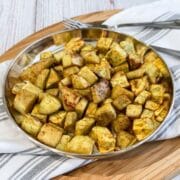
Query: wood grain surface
x=155 y=160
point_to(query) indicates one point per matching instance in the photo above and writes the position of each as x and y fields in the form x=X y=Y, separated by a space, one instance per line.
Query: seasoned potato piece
x=138 y=73
x=142 y=97
x=85 y=93
x=91 y=110
x=88 y=75
x=147 y=114
x=108 y=100
x=79 y=82
x=103 y=69
x=58 y=56
x=104 y=139
x=119 y=79
x=122 y=122
x=138 y=85
x=100 y=91
x=46 y=55
x=150 y=56
x=70 y=121
x=59 y=69
x=69 y=98
x=84 y=125
x=135 y=61
x=58 y=118
x=24 y=101
x=123 y=67
x=17 y=87
x=162 y=115
x=143 y=127
x=128 y=46
x=133 y=110
x=81 y=107
x=42 y=78
x=77 y=60
x=81 y=145
x=164 y=106
x=53 y=91
x=18 y=117
x=62 y=145
x=125 y=139
x=118 y=90
x=52 y=79
x=121 y=102
x=49 y=104
x=157 y=92
x=103 y=44
x=151 y=105
x=66 y=81
x=105 y=114
x=70 y=70
x=50 y=134
x=141 y=50
x=31 y=125
x=67 y=60
x=74 y=45
x=35 y=112
x=116 y=55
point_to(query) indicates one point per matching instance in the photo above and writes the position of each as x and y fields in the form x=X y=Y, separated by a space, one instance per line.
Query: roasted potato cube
x=59 y=69
x=116 y=55
x=79 y=82
x=35 y=112
x=77 y=60
x=17 y=87
x=58 y=118
x=81 y=107
x=133 y=110
x=31 y=125
x=103 y=69
x=49 y=104
x=162 y=115
x=62 y=145
x=53 y=79
x=138 y=73
x=123 y=67
x=105 y=114
x=46 y=55
x=74 y=45
x=108 y=100
x=150 y=57
x=84 y=125
x=87 y=48
x=122 y=122
x=153 y=73
x=42 y=78
x=147 y=114
x=24 y=101
x=121 y=102
x=151 y=105
x=53 y=91
x=125 y=139
x=69 y=98
x=157 y=92
x=50 y=134
x=91 y=110
x=164 y=106
x=70 y=121
x=90 y=57
x=88 y=75
x=85 y=93
x=66 y=81
x=18 y=117
x=128 y=46
x=119 y=79
x=104 y=139
x=58 y=56
x=142 y=128
x=103 y=44
x=100 y=91
x=81 y=145
x=118 y=90
x=67 y=60
x=138 y=85
x=142 y=97
x=70 y=70
x=135 y=61
x=141 y=50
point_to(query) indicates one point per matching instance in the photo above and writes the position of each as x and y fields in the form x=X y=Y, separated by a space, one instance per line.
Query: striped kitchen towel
x=20 y=159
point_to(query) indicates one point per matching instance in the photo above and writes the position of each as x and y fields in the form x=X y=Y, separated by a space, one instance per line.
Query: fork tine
x=76 y=23
x=69 y=26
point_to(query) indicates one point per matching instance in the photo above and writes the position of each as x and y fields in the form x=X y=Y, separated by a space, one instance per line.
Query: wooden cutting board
x=155 y=160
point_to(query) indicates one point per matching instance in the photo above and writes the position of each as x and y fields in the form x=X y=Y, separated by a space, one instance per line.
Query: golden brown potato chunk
x=62 y=145
x=121 y=102
x=53 y=79
x=81 y=145
x=122 y=122
x=50 y=134
x=91 y=110
x=58 y=56
x=70 y=121
x=67 y=60
x=81 y=107
x=59 y=69
x=85 y=93
x=46 y=55
x=24 y=101
x=125 y=139
x=100 y=91
x=138 y=73
x=150 y=57
x=79 y=82
x=49 y=104
x=103 y=44
x=18 y=117
x=31 y=125
x=151 y=105
x=135 y=61
x=53 y=91
x=147 y=114
x=116 y=55
x=17 y=87
x=123 y=67
x=77 y=60
x=104 y=139
x=142 y=97
x=162 y=115
x=128 y=46
x=58 y=118
x=70 y=70
x=165 y=106
x=142 y=127
x=66 y=81
x=119 y=79
x=133 y=110
x=83 y=126
x=42 y=78
x=105 y=114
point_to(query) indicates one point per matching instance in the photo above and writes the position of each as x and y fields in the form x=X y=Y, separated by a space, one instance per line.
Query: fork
x=74 y=24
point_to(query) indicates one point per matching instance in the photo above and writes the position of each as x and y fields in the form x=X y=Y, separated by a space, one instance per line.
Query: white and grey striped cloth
x=21 y=159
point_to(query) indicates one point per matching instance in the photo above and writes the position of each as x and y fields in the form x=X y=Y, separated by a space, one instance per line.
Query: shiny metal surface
x=90 y=35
